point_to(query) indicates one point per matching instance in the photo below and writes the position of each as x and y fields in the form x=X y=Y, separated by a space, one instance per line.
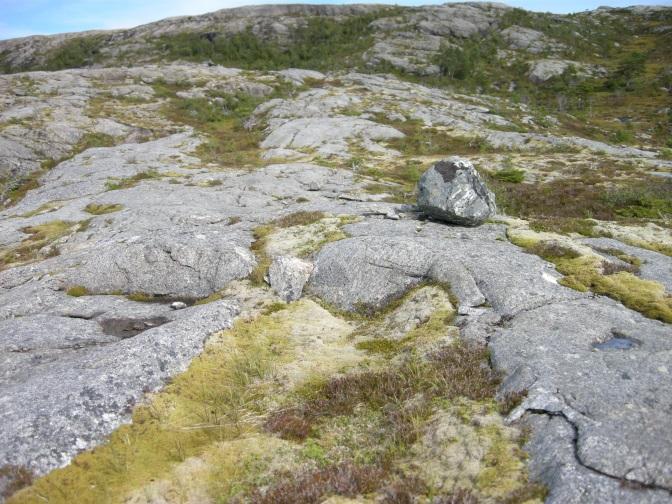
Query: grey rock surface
x=597 y=374
x=613 y=396
x=453 y=191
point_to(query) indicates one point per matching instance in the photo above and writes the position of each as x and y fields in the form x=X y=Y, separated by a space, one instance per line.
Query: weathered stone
x=288 y=275
x=453 y=191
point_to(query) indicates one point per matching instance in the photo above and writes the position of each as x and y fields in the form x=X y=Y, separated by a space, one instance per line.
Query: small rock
x=314 y=186
x=178 y=305
x=287 y=276
x=453 y=191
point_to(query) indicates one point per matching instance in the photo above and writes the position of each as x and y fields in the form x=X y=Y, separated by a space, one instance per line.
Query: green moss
x=115 y=184
x=140 y=297
x=379 y=346
x=101 y=209
x=262 y=233
x=77 y=291
x=584 y=273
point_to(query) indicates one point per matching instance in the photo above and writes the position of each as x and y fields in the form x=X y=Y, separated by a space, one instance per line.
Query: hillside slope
x=216 y=285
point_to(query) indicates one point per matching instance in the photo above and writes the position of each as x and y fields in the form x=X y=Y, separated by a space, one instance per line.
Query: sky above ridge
x=19 y=18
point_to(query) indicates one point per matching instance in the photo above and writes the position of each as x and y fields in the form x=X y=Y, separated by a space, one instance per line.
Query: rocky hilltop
x=432 y=265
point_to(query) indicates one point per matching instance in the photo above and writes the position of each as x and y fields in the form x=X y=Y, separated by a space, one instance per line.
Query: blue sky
x=19 y=18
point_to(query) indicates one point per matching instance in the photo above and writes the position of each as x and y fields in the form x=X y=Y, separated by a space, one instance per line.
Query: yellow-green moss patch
x=102 y=208
x=586 y=272
x=77 y=291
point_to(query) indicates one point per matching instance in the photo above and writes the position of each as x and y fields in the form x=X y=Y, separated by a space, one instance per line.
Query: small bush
x=512 y=175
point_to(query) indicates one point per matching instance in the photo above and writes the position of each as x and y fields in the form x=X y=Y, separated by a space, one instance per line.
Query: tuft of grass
x=215 y=296
x=301 y=218
x=92 y=140
x=102 y=208
x=562 y=225
x=77 y=291
x=115 y=184
x=141 y=297
x=511 y=175
x=379 y=346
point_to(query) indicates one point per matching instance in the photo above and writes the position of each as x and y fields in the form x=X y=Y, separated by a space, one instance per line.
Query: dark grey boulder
x=453 y=191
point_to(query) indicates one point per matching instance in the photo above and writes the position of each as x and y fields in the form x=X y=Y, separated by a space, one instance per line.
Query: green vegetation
x=321 y=44
x=77 y=291
x=589 y=273
x=578 y=198
x=209 y=403
x=255 y=438
x=220 y=117
x=91 y=140
x=115 y=184
x=511 y=175
x=102 y=208
x=75 y=52
x=38 y=245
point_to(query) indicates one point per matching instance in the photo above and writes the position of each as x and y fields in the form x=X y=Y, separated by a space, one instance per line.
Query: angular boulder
x=453 y=191
x=287 y=276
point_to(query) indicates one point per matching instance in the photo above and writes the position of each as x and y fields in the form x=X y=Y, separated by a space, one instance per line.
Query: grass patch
x=77 y=291
x=379 y=346
x=573 y=200
x=220 y=118
x=421 y=141
x=94 y=140
x=510 y=175
x=563 y=225
x=102 y=208
x=345 y=479
x=114 y=184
